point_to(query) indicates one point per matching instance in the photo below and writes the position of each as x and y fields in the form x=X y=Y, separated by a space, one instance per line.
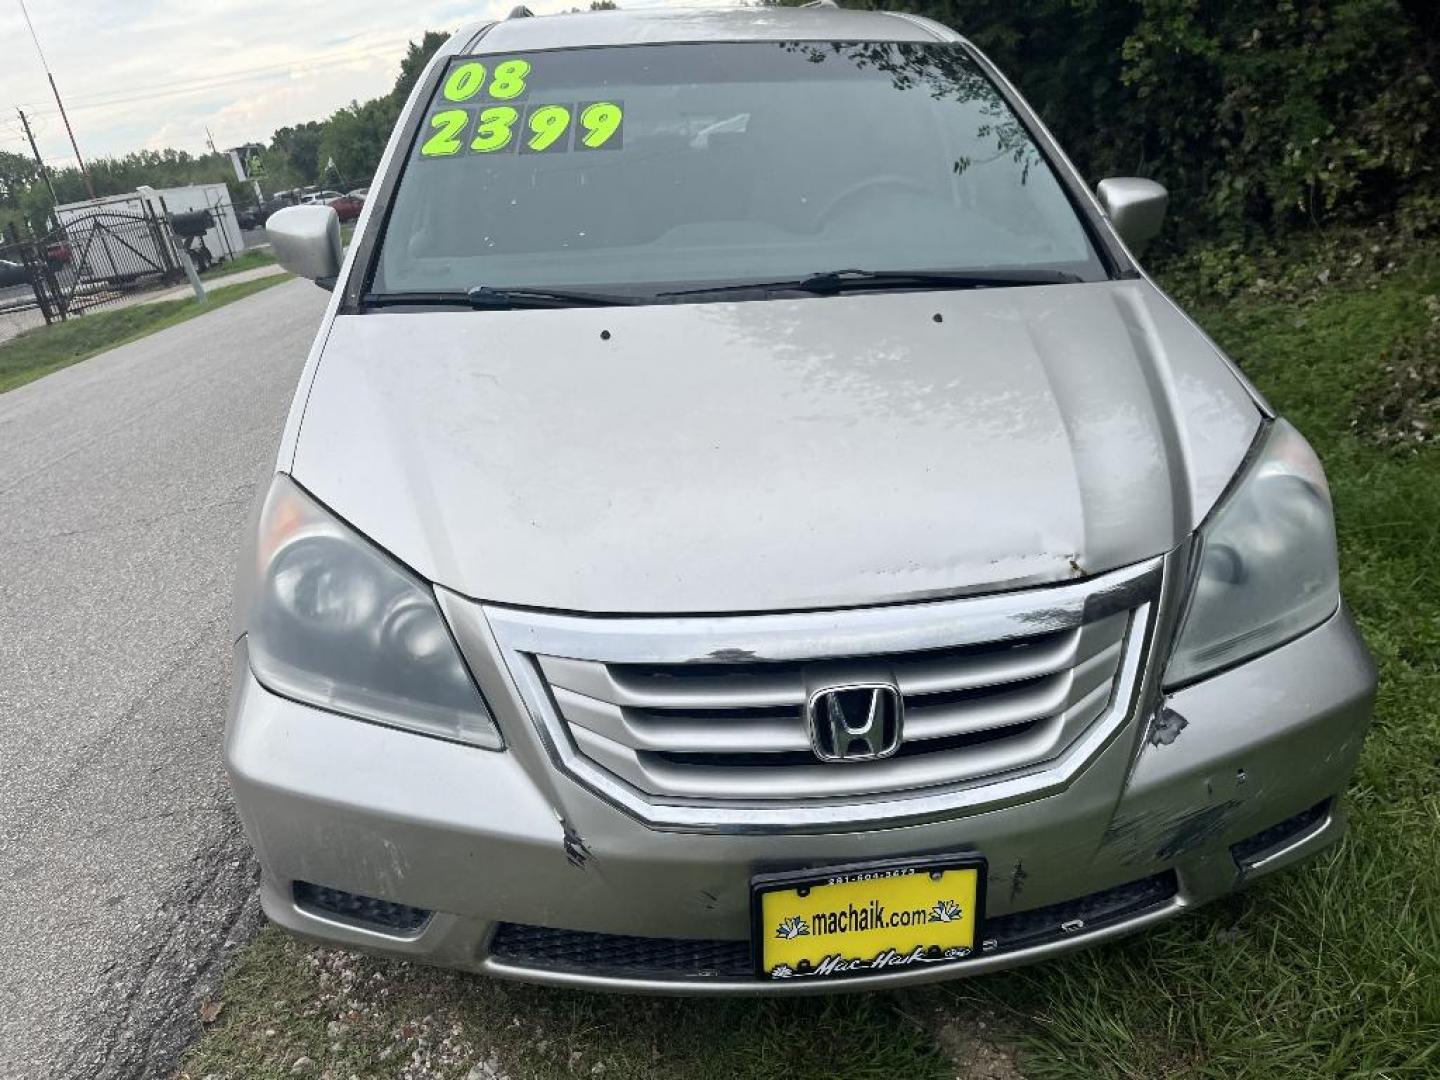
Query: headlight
x=1266 y=568
x=333 y=622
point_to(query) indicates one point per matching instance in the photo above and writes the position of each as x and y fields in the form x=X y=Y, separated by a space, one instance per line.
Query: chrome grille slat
x=609 y=683
x=1012 y=705
x=697 y=722
x=719 y=733
x=925 y=675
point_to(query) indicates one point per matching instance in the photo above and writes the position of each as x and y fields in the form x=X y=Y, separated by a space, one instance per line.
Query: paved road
x=124 y=482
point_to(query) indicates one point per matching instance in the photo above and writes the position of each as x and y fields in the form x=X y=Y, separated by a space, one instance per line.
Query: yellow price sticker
x=542 y=129
x=510 y=80
x=465 y=81
x=446 y=127
x=496 y=129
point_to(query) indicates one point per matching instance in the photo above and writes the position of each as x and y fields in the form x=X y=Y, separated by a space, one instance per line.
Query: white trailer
x=116 y=237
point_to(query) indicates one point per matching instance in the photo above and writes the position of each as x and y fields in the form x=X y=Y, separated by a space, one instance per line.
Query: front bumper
x=472 y=838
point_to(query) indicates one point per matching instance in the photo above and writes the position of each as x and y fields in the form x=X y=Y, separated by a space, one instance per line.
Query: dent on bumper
x=469 y=834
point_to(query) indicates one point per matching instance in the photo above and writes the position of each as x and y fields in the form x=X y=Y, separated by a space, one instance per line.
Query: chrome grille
x=737 y=730
x=697 y=722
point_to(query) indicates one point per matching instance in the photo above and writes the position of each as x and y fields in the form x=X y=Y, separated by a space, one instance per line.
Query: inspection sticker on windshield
x=485 y=109
x=867 y=920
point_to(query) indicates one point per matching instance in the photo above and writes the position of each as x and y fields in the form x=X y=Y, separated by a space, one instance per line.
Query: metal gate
x=105 y=256
x=87 y=262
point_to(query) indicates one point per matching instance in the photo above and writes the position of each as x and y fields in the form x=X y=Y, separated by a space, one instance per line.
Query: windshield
x=648 y=168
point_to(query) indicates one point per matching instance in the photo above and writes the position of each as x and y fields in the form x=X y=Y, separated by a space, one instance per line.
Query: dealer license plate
x=868 y=919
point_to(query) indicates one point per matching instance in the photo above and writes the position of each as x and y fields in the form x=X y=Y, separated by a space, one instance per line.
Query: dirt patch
x=974 y=1042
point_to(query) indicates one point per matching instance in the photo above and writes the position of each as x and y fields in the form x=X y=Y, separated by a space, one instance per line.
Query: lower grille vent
x=635 y=957
x=1094 y=912
x=1247 y=850
x=645 y=957
x=367 y=911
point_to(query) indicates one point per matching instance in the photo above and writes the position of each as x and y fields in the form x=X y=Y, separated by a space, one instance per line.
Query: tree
x=17 y=172
x=300 y=146
x=355 y=137
x=276 y=172
x=1257 y=114
x=416 y=57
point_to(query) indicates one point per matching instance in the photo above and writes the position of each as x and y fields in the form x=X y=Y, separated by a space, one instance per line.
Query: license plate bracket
x=867 y=918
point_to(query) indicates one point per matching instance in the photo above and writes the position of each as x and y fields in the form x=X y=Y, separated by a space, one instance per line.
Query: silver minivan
x=748 y=524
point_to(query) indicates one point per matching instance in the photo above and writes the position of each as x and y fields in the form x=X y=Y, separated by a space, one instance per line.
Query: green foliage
x=17 y=172
x=1259 y=115
x=354 y=139
x=293 y=157
x=417 y=55
x=117 y=175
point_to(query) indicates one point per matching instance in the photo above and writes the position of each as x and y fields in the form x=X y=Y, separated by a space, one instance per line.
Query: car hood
x=776 y=454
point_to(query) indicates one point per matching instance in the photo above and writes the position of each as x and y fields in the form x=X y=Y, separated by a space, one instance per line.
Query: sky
x=147 y=74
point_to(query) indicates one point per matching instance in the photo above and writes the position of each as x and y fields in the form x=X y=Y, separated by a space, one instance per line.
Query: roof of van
x=654 y=25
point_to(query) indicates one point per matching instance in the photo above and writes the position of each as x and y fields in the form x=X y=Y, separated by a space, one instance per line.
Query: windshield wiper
x=830 y=282
x=484 y=298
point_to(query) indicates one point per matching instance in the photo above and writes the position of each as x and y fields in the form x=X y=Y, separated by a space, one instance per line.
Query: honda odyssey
x=749 y=524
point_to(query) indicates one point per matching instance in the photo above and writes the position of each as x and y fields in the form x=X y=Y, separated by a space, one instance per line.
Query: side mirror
x=1135 y=207
x=306 y=240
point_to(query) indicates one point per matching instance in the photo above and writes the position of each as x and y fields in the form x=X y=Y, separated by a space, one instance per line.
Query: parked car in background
x=322 y=197
x=268 y=208
x=779 y=541
x=361 y=193
x=248 y=218
x=12 y=273
x=347 y=207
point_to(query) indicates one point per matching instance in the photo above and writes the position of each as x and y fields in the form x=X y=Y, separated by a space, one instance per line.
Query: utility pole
x=39 y=161
x=84 y=170
x=210 y=139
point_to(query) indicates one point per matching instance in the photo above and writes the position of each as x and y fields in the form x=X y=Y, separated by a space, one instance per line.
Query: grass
x=246 y=260
x=45 y=349
x=1330 y=970
x=1335 y=969
x=249 y=259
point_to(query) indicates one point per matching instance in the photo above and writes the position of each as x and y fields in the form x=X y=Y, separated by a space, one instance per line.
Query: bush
x=1259 y=115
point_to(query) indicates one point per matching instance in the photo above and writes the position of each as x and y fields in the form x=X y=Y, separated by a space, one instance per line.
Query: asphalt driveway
x=124 y=482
